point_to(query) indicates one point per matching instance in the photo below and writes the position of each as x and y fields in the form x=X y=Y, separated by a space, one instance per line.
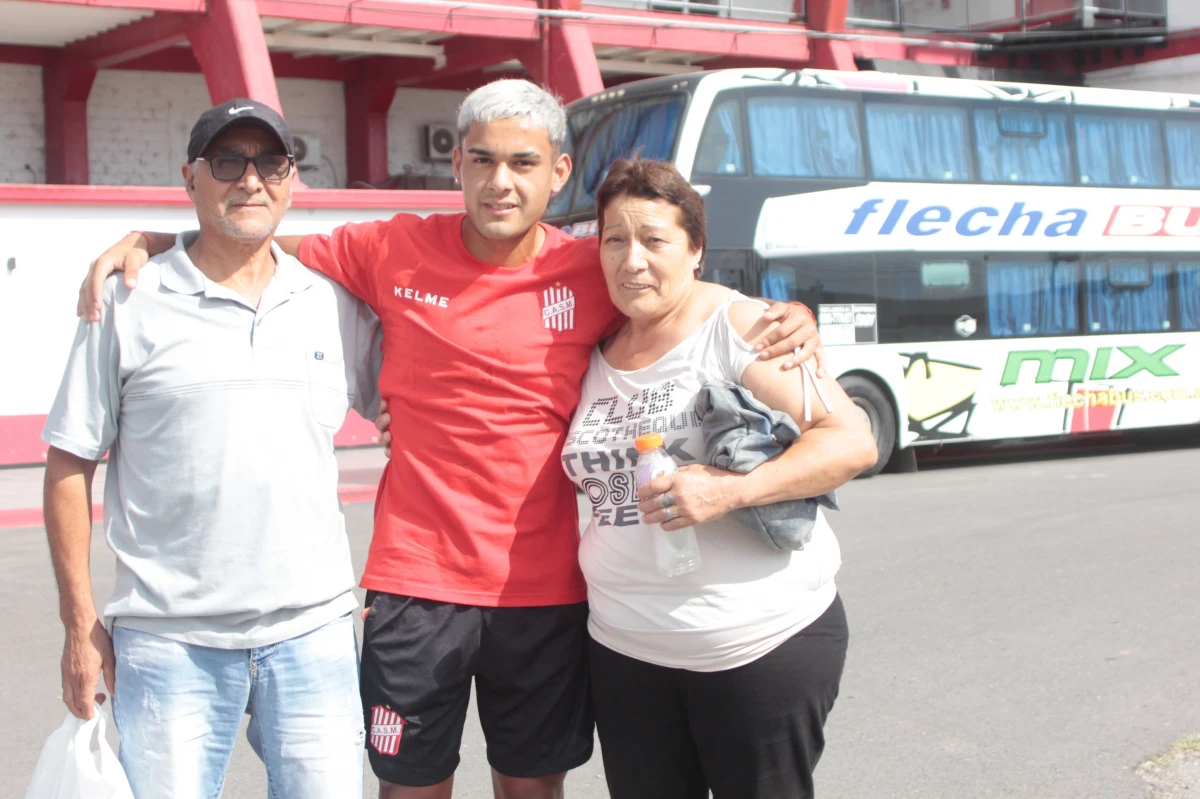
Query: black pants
x=754 y=732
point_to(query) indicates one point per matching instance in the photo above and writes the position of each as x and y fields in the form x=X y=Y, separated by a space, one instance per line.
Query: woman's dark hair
x=656 y=180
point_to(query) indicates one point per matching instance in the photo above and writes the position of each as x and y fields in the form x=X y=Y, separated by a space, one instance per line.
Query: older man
x=217 y=389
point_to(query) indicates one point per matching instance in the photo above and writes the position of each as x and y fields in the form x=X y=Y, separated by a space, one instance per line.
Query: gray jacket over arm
x=740 y=433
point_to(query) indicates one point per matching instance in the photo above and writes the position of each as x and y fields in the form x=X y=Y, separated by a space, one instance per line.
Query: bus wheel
x=873 y=404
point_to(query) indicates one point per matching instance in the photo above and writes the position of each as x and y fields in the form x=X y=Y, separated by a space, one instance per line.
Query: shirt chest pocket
x=328 y=387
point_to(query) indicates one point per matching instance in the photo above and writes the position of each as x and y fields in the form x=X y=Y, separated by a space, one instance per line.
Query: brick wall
x=318 y=108
x=22 y=143
x=411 y=111
x=138 y=126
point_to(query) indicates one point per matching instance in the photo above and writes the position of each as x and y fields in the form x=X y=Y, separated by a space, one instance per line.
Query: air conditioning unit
x=308 y=151
x=440 y=141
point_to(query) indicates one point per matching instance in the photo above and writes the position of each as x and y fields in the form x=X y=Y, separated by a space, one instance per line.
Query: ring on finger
x=667 y=500
x=671 y=516
x=796 y=353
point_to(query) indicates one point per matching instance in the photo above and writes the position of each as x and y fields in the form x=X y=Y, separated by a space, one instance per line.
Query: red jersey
x=481 y=372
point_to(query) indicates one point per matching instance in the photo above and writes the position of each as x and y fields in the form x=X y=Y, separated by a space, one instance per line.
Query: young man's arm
x=794 y=332
x=336 y=256
x=87 y=649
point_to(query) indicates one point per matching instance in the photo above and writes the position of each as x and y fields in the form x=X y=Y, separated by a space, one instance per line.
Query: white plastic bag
x=78 y=763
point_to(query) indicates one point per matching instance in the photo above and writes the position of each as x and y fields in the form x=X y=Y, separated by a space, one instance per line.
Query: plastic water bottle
x=675 y=551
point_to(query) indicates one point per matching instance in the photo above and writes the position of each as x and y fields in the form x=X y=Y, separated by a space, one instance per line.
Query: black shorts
x=753 y=732
x=529 y=665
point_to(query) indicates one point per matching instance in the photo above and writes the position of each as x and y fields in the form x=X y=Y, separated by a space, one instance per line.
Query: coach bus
x=986 y=260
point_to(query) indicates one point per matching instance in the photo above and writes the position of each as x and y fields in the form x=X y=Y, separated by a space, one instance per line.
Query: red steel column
x=65 y=90
x=564 y=61
x=829 y=16
x=232 y=51
x=367 y=102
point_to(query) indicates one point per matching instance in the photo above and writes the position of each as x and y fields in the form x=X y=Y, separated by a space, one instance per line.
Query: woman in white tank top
x=719 y=680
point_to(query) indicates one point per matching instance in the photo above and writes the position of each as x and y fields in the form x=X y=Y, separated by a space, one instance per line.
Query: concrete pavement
x=1028 y=628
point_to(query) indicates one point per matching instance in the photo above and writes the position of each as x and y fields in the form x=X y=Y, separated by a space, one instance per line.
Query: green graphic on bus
x=1140 y=361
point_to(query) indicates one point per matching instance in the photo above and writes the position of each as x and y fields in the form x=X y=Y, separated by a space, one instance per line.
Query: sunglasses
x=271 y=168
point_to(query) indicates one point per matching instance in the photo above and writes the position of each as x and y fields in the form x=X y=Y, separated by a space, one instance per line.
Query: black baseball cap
x=239 y=111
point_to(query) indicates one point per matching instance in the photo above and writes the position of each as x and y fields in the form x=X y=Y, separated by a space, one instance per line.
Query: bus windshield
x=599 y=135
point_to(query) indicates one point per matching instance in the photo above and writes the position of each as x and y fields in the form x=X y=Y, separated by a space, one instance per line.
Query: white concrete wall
x=22 y=143
x=411 y=111
x=1183 y=14
x=139 y=122
x=1180 y=75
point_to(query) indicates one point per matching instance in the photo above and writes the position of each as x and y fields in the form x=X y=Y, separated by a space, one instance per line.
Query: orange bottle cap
x=648 y=442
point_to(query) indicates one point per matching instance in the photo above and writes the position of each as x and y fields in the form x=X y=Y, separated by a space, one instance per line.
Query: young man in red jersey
x=489 y=321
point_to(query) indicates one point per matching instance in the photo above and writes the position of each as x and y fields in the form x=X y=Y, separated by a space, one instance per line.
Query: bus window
x=945 y=274
x=918 y=142
x=804 y=137
x=1118 y=150
x=1032 y=299
x=727 y=268
x=1183 y=148
x=930 y=300
x=577 y=125
x=721 y=146
x=1022 y=146
x=779 y=283
x=1189 y=295
x=1128 y=297
x=818 y=279
x=646 y=128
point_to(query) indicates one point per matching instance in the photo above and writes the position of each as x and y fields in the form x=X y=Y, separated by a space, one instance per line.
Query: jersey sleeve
x=83 y=418
x=348 y=255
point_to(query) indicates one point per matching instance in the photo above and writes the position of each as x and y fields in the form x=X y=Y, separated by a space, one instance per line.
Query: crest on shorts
x=558 y=308
x=386 y=729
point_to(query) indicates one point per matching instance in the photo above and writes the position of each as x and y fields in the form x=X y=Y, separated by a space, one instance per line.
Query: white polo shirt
x=221 y=496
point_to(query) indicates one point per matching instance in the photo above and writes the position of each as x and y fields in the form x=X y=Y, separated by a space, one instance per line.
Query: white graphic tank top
x=746 y=598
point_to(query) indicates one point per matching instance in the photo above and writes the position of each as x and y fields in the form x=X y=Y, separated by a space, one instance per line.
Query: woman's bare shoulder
x=746 y=318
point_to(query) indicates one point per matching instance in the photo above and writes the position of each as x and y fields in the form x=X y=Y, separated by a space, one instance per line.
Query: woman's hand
x=382 y=422
x=695 y=494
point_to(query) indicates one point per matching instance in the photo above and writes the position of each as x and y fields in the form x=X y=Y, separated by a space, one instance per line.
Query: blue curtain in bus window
x=720 y=149
x=647 y=129
x=779 y=283
x=1031 y=299
x=1022 y=146
x=1119 y=151
x=1183 y=149
x=1128 y=297
x=1189 y=296
x=804 y=137
x=918 y=142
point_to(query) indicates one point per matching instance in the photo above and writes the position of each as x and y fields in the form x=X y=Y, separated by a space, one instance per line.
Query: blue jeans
x=178 y=708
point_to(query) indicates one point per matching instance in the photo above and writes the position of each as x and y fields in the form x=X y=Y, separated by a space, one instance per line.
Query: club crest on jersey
x=386 y=729
x=558 y=308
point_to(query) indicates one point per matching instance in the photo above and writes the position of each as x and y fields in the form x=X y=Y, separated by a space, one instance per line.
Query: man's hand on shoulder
x=796 y=330
x=128 y=255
